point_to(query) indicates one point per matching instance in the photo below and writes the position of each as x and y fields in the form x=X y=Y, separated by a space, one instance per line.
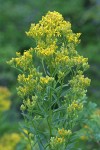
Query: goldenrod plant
x=4 y=99
x=53 y=93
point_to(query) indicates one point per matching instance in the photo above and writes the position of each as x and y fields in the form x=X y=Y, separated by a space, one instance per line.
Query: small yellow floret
x=46 y=80
x=62 y=132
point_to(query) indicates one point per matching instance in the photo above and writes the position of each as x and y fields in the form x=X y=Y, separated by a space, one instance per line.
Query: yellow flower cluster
x=5 y=92
x=57 y=143
x=83 y=137
x=61 y=59
x=51 y=25
x=29 y=104
x=22 y=79
x=55 y=43
x=22 y=61
x=80 y=61
x=74 y=106
x=4 y=105
x=79 y=81
x=9 y=141
x=48 y=34
x=28 y=84
x=69 y=59
x=4 y=99
x=58 y=140
x=63 y=133
x=45 y=51
x=46 y=80
x=74 y=38
x=78 y=86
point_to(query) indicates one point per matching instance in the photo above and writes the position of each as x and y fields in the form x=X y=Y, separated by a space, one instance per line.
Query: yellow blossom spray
x=54 y=94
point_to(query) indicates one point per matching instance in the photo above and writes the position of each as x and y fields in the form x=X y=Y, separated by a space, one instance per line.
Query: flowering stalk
x=54 y=96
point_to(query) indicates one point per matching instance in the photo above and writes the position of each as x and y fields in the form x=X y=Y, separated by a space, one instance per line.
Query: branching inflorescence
x=54 y=93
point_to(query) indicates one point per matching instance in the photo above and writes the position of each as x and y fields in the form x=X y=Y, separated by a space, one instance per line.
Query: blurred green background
x=16 y=17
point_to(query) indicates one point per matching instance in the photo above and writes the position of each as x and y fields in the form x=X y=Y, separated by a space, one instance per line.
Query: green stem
x=40 y=144
x=30 y=142
x=49 y=127
x=43 y=67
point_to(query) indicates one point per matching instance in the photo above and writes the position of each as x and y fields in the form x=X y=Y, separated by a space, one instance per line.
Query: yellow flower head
x=83 y=138
x=4 y=99
x=9 y=141
x=75 y=106
x=46 y=80
x=51 y=25
x=56 y=142
x=63 y=133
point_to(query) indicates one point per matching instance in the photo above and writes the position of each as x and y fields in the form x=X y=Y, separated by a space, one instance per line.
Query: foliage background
x=16 y=17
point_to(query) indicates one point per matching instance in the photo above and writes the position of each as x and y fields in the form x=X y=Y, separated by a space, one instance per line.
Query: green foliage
x=88 y=137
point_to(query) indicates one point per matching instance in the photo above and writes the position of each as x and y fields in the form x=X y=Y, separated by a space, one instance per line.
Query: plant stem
x=49 y=127
x=43 y=67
